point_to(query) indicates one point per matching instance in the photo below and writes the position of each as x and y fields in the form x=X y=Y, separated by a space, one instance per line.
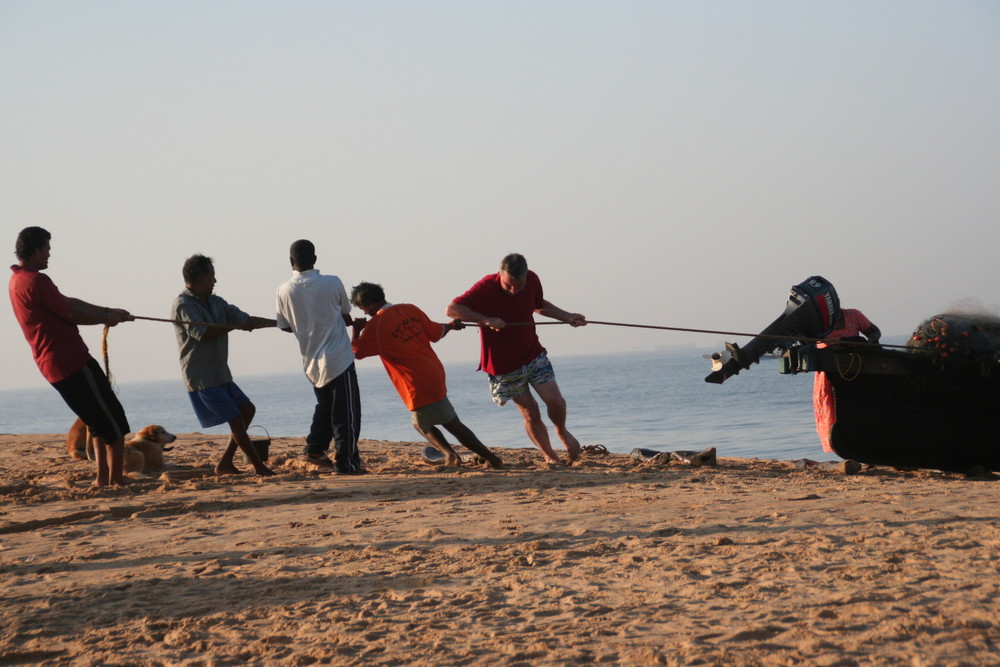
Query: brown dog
x=78 y=442
x=143 y=453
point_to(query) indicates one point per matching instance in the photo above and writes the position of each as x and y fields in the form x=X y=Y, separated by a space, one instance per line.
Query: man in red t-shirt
x=401 y=334
x=513 y=357
x=49 y=321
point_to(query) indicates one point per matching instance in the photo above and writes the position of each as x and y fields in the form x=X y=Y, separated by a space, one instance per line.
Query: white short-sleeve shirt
x=312 y=306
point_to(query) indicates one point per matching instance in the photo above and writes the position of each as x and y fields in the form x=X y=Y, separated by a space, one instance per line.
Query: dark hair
x=367 y=294
x=515 y=265
x=195 y=267
x=302 y=253
x=29 y=240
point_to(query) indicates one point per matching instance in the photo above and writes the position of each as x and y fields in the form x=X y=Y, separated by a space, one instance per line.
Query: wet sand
x=609 y=561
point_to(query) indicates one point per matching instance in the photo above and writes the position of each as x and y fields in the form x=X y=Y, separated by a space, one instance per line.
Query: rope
x=188 y=322
x=843 y=372
x=804 y=339
x=104 y=339
x=104 y=353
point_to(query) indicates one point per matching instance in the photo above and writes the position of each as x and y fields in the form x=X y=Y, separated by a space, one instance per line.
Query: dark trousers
x=89 y=395
x=337 y=418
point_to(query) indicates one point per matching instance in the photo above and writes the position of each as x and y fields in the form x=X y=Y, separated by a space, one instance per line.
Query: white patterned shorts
x=508 y=385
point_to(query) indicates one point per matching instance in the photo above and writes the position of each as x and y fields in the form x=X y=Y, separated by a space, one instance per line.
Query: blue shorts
x=218 y=405
x=508 y=385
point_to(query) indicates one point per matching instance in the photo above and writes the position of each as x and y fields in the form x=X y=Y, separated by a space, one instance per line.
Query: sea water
x=655 y=400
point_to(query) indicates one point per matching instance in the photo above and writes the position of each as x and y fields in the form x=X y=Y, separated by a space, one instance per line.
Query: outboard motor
x=812 y=312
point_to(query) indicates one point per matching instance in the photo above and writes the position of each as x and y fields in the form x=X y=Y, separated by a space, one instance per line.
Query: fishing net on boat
x=957 y=336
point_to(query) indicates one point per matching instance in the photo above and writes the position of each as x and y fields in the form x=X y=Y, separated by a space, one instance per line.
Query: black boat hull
x=905 y=410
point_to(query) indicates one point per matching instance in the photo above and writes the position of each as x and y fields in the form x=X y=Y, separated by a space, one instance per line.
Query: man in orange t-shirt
x=401 y=335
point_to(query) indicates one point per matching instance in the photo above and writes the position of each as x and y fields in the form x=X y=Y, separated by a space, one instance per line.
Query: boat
x=933 y=403
x=905 y=409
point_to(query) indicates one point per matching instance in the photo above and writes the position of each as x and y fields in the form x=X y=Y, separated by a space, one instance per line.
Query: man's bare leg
x=534 y=426
x=556 y=408
x=239 y=438
x=101 y=456
x=465 y=436
x=226 y=466
x=110 y=460
x=116 y=459
x=436 y=438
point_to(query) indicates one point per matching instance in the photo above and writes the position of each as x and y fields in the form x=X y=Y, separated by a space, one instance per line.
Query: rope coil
x=843 y=372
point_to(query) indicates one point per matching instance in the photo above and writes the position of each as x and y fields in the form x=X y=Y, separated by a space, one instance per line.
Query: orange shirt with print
x=401 y=335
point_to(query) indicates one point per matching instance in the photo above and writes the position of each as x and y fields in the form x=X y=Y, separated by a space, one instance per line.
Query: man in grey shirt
x=203 y=321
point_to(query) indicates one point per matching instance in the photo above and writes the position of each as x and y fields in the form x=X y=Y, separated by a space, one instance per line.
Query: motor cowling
x=812 y=311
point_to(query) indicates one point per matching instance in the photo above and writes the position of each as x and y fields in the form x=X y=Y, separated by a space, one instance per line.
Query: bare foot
x=494 y=464
x=573 y=451
x=263 y=470
x=453 y=460
x=100 y=484
x=553 y=460
x=226 y=468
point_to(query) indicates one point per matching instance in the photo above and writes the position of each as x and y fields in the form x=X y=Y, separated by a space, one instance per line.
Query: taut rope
x=104 y=338
x=804 y=339
x=190 y=322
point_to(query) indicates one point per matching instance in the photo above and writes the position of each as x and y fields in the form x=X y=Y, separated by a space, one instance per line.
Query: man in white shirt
x=316 y=309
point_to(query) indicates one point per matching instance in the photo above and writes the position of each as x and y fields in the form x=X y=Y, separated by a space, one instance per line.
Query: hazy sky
x=667 y=163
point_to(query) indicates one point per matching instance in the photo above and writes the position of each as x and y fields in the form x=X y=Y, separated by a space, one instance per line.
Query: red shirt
x=512 y=347
x=855 y=324
x=42 y=312
x=402 y=335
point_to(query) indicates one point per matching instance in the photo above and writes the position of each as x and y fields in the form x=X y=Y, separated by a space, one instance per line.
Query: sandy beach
x=609 y=561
